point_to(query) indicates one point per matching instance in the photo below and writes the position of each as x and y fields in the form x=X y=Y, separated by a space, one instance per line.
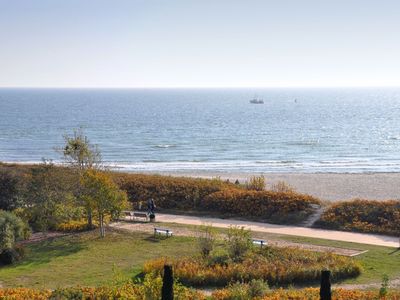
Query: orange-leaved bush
x=364 y=216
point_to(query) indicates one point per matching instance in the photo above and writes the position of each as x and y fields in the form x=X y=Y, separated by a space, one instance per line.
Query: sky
x=199 y=43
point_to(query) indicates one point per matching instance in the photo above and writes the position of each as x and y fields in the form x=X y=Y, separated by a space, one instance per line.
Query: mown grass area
x=376 y=262
x=87 y=260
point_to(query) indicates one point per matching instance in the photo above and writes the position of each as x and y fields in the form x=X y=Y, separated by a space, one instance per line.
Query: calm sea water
x=296 y=130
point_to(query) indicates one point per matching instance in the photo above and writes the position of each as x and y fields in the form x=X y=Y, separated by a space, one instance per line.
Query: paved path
x=362 y=238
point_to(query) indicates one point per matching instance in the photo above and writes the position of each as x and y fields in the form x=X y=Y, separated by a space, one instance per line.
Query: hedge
x=276 y=207
x=216 y=197
x=370 y=216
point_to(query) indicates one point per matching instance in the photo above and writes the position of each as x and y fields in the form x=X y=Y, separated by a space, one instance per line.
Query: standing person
x=151 y=206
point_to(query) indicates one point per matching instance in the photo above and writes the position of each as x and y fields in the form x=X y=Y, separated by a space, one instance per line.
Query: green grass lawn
x=85 y=259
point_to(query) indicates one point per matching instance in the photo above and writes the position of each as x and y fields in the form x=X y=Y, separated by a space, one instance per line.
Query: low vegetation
x=218 y=197
x=245 y=292
x=364 y=216
x=148 y=289
x=275 y=207
x=238 y=260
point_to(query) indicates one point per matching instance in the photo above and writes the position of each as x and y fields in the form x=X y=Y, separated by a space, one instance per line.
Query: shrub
x=10 y=186
x=384 y=286
x=12 y=228
x=24 y=294
x=167 y=191
x=244 y=291
x=256 y=183
x=282 y=187
x=258 y=288
x=206 y=239
x=238 y=242
x=275 y=207
x=9 y=256
x=309 y=293
x=275 y=265
x=364 y=216
x=73 y=226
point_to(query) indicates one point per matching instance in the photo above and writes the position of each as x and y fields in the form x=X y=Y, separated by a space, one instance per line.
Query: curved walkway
x=361 y=238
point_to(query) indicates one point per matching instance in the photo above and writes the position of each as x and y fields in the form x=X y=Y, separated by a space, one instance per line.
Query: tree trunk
x=101 y=225
x=167 y=291
x=89 y=218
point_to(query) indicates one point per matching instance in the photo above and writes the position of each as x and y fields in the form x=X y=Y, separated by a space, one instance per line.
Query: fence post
x=167 y=291
x=325 y=290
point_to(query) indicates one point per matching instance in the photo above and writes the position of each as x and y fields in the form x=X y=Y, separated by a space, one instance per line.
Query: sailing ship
x=256 y=100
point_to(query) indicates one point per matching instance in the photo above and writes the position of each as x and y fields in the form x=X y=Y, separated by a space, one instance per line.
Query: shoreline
x=326 y=186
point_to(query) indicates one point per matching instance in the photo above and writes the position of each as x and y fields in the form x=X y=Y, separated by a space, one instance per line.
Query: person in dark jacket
x=151 y=206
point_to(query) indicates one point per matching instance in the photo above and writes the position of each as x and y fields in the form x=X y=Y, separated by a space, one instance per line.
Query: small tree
x=81 y=155
x=102 y=196
x=206 y=239
x=10 y=187
x=238 y=242
x=47 y=189
x=384 y=286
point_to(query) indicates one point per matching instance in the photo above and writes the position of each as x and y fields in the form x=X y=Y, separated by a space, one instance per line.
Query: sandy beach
x=326 y=186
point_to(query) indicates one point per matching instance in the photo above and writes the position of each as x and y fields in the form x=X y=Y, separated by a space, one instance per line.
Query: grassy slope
x=86 y=260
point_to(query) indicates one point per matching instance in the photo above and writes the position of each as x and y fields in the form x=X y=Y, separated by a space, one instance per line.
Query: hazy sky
x=170 y=43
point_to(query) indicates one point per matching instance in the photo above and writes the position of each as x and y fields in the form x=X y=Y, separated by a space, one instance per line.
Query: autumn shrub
x=72 y=226
x=274 y=265
x=149 y=289
x=167 y=191
x=364 y=216
x=275 y=207
x=308 y=294
x=244 y=291
x=24 y=294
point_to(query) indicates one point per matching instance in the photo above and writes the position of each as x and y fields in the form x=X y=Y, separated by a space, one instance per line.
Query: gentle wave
x=356 y=166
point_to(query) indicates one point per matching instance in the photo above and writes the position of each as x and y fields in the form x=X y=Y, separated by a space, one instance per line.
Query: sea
x=296 y=130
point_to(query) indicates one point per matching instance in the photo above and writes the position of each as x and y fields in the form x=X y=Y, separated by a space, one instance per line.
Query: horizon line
x=200 y=87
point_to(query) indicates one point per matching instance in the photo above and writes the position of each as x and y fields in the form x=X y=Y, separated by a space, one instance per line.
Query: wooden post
x=325 y=290
x=167 y=291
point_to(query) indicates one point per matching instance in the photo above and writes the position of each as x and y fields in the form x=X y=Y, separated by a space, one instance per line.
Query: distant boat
x=257 y=101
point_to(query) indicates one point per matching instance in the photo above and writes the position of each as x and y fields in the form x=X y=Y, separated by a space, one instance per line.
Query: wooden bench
x=160 y=231
x=127 y=214
x=259 y=242
x=135 y=215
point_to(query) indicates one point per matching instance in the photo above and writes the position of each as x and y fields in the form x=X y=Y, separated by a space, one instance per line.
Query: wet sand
x=326 y=186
